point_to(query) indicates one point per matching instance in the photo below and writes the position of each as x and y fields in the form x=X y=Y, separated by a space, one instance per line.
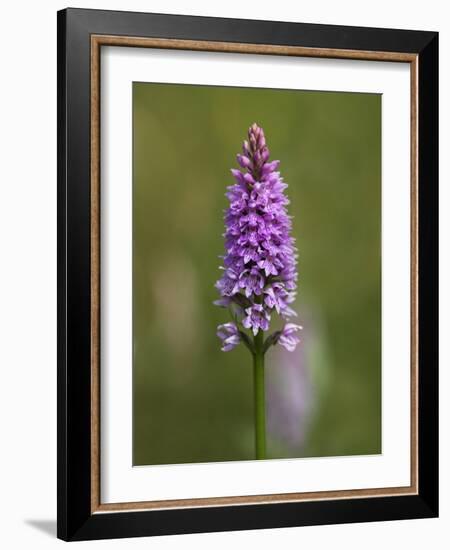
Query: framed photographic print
x=247 y=256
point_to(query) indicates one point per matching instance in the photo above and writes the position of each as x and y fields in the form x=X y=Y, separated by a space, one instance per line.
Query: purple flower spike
x=229 y=334
x=287 y=338
x=259 y=265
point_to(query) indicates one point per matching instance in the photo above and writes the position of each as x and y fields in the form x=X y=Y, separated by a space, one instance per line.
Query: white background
x=28 y=273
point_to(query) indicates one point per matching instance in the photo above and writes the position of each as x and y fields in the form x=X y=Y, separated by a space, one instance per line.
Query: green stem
x=259 y=396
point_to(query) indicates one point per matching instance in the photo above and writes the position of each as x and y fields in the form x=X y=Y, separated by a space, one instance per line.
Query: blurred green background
x=192 y=402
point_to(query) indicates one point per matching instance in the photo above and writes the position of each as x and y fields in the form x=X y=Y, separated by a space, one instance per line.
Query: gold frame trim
x=264 y=49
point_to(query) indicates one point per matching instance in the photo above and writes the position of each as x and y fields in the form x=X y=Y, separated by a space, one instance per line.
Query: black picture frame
x=76 y=521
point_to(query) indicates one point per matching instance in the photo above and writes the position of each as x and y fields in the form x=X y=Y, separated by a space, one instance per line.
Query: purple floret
x=260 y=255
x=288 y=337
x=229 y=334
x=257 y=317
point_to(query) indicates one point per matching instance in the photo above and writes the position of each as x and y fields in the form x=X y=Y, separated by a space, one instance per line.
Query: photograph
x=256 y=273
